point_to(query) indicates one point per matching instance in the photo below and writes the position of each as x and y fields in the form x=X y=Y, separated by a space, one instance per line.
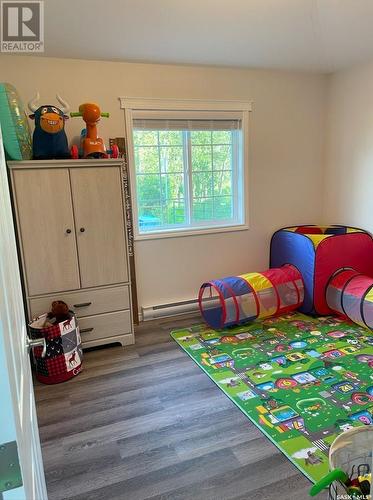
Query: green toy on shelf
x=14 y=124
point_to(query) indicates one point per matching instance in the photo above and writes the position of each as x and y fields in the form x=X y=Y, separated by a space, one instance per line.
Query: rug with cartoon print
x=300 y=380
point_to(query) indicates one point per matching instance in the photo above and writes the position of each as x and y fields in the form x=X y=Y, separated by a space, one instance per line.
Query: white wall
x=349 y=152
x=286 y=154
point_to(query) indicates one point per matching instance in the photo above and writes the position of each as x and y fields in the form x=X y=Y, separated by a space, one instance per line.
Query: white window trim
x=131 y=104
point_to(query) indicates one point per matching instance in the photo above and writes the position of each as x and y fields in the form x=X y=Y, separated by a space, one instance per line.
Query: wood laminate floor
x=144 y=422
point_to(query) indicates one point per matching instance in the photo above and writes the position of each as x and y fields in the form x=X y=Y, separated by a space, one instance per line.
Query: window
x=188 y=168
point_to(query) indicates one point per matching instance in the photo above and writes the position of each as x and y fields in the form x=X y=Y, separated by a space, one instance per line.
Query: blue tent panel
x=297 y=249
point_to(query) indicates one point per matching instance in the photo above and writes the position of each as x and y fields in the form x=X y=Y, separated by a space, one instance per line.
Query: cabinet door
x=46 y=223
x=99 y=220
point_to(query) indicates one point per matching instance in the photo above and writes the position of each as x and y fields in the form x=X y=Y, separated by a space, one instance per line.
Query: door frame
x=15 y=348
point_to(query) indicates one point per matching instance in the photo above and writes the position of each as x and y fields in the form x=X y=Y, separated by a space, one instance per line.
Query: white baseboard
x=166 y=310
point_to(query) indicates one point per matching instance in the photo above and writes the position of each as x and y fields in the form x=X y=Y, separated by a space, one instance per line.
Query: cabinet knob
x=68 y=231
x=82 y=229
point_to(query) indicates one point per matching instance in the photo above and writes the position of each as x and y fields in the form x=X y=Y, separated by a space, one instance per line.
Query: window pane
x=202 y=185
x=223 y=207
x=148 y=190
x=222 y=157
x=171 y=137
x=172 y=159
x=202 y=209
x=145 y=137
x=150 y=217
x=146 y=159
x=172 y=165
x=173 y=205
x=221 y=137
x=222 y=183
x=172 y=186
x=200 y=137
x=174 y=212
x=201 y=158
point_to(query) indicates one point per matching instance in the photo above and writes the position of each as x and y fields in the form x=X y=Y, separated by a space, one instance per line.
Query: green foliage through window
x=186 y=178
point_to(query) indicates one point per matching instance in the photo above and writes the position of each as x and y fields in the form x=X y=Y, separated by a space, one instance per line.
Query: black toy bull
x=49 y=140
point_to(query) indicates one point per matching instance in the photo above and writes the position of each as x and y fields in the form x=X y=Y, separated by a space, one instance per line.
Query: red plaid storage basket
x=64 y=354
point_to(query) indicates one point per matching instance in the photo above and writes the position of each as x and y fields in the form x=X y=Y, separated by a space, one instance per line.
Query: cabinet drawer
x=105 y=325
x=86 y=302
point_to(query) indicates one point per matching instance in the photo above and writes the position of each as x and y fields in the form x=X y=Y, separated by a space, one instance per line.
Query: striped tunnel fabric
x=238 y=299
x=351 y=294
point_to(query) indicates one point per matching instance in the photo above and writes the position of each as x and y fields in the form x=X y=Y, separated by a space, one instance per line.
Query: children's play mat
x=300 y=380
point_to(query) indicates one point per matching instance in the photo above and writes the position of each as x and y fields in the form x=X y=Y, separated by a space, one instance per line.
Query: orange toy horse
x=92 y=146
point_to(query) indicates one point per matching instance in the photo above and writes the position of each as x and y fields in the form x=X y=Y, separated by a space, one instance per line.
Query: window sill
x=181 y=233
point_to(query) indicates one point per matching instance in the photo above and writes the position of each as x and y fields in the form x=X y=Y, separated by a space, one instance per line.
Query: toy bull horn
x=33 y=103
x=64 y=106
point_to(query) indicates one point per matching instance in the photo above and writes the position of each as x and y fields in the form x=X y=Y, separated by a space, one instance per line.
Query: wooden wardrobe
x=73 y=243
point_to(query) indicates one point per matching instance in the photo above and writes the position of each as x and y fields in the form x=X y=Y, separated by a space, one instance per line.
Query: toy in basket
x=61 y=359
x=350 y=461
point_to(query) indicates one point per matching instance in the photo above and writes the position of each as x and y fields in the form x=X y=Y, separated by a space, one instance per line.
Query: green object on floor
x=325 y=482
x=300 y=380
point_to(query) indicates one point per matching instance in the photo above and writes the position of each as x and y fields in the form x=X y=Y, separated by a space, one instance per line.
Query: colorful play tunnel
x=239 y=299
x=351 y=294
x=319 y=270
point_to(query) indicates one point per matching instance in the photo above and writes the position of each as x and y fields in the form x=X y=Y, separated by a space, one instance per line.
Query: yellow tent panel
x=318 y=238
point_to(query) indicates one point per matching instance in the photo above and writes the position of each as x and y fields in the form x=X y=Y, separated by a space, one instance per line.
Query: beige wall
x=286 y=154
x=349 y=154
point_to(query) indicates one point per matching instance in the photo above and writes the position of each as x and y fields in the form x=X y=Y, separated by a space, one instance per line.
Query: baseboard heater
x=173 y=309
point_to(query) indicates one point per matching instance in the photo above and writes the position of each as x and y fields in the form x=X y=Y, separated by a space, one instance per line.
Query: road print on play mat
x=301 y=380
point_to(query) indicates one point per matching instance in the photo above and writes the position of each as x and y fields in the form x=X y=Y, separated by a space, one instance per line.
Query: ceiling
x=310 y=35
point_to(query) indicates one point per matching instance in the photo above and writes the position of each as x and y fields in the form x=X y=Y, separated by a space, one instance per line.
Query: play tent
x=316 y=269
